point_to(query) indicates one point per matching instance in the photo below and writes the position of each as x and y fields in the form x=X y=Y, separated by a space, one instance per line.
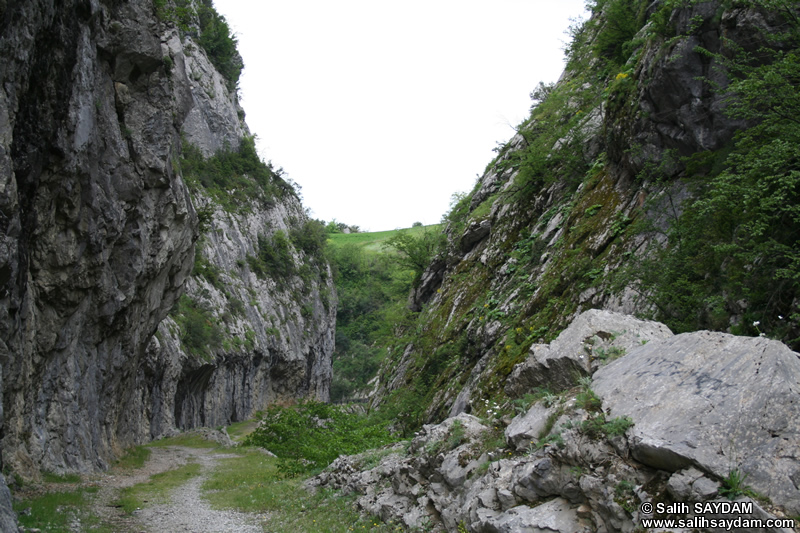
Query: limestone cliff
x=592 y=184
x=101 y=101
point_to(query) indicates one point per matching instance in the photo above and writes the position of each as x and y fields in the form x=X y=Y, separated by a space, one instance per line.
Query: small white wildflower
x=756 y=323
x=780 y=317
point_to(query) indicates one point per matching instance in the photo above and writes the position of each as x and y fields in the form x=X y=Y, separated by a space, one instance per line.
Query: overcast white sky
x=381 y=110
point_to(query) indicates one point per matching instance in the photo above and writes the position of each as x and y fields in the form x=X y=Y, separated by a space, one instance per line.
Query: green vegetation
x=253 y=482
x=134 y=458
x=733 y=485
x=206 y=269
x=372 y=285
x=239 y=430
x=200 y=333
x=734 y=249
x=309 y=436
x=414 y=252
x=233 y=178
x=210 y=30
x=598 y=427
x=625 y=496
x=57 y=511
x=732 y=252
x=375 y=241
x=50 y=477
x=274 y=259
x=157 y=488
x=189 y=439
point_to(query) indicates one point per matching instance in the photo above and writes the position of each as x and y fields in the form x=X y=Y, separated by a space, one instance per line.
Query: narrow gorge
x=607 y=319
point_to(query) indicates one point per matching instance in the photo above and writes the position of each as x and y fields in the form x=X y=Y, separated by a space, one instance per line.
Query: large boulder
x=715 y=401
x=593 y=337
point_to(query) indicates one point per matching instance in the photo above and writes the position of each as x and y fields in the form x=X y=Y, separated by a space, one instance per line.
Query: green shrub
x=200 y=333
x=215 y=36
x=310 y=435
x=589 y=401
x=233 y=178
x=733 y=256
x=274 y=259
x=623 y=18
x=219 y=43
x=415 y=253
x=598 y=427
x=310 y=237
x=205 y=268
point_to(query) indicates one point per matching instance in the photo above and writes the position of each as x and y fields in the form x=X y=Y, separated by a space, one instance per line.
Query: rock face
x=277 y=334
x=98 y=229
x=589 y=186
x=716 y=402
x=699 y=404
x=593 y=338
x=98 y=234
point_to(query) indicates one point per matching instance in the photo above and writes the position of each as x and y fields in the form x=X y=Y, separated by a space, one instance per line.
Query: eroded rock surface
x=595 y=336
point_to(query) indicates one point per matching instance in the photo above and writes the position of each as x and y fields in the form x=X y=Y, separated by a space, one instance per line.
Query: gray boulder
x=594 y=337
x=554 y=516
x=523 y=430
x=715 y=401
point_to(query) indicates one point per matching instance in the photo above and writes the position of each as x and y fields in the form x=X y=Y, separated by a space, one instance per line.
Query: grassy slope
x=374 y=241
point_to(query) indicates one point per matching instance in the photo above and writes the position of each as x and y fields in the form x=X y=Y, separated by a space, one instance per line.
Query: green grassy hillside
x=375 y=241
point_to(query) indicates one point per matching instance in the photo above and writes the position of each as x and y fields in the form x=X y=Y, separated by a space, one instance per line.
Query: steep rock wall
x=99 y=234
x=276 y=333
x=99 y=229
x=591 y=181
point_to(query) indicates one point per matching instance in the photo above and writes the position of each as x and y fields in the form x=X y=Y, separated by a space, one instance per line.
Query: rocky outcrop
x=276 y=334
x=716 y=402
x=595 y=337
x=665 y=422
x=99 y=239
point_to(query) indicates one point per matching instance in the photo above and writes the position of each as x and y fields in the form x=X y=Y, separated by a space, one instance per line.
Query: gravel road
x=186 y=512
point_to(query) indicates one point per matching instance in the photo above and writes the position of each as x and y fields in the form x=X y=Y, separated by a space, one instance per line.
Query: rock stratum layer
x=103 y=256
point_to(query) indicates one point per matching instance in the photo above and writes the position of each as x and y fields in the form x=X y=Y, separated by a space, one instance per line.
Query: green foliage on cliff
x=414 y=252
x=199 y=19
x=274 y=259
x=575 y=211
x=735 y=249
x=622 y=19
x=233 y=178
x=200 y=333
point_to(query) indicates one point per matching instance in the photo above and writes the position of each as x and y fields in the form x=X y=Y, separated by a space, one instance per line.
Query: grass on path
x=251 y=483
x=157 y=488
x=59 y=511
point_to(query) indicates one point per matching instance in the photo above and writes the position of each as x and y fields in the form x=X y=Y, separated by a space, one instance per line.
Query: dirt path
x=187 y=511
